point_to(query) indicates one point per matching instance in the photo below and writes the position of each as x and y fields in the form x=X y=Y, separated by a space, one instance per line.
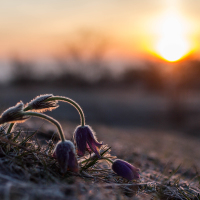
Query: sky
x=146 y=29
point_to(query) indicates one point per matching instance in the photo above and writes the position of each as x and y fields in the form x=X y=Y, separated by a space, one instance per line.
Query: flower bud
x=65 y=154
x=85 y=139
x=39 y=104
x=125 y=169
x=14 y=114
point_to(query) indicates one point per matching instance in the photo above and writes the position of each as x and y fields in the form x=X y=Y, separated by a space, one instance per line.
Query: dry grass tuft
x=28 y=171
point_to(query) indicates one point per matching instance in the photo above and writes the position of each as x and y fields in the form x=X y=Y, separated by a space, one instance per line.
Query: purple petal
x=88 y=148
x=80 y=136
x=66 y=157
x=92 y=135
x=91 y=141
x=125 y=169
x=62 y=155
x=134 y=170
x=72 y=164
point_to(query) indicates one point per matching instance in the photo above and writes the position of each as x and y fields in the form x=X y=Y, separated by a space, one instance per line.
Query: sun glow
x=173 y=44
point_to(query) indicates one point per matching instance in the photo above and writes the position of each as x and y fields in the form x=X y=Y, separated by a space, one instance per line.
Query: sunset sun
x=172 y=49
x=172 y=45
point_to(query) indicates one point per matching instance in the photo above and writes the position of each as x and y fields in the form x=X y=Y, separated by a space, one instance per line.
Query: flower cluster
x=66 y=152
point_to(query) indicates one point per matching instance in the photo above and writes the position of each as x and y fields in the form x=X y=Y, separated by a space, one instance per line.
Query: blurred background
x=129 y=64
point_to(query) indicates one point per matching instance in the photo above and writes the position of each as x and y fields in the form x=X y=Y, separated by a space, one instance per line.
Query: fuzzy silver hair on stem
x=14 y=114
x=50 y=119
x=40 y=104
x=73 y=103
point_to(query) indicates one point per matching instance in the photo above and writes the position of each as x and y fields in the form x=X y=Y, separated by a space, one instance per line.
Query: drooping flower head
x=85 y=139
x=125 y=169
x=65 y=154
x=14 y=114
x=40 y=103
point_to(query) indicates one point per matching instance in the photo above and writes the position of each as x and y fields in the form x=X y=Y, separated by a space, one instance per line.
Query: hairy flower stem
x=73 y=103
x=50 y=119
x=59 y=98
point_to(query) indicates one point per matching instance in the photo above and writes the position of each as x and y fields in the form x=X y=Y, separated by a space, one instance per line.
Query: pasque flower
x=40 y=103
x=65 y=154
x=125 y=169
x=85 y=140
x=14 y=114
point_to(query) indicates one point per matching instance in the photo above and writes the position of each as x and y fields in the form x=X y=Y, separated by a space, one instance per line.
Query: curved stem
x=73 y=103
x=50 y=119
x=59 y=98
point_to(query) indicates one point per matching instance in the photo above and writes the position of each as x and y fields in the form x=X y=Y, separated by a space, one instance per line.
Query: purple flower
x=85 y=140
x=125 y=169
x=65 y=154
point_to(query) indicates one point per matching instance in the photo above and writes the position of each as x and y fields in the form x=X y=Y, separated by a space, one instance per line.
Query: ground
x=168 y=158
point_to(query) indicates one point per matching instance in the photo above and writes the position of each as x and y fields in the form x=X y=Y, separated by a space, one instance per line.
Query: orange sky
x=130 y=28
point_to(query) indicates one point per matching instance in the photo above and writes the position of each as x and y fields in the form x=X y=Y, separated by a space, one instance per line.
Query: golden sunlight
x=173 y=44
